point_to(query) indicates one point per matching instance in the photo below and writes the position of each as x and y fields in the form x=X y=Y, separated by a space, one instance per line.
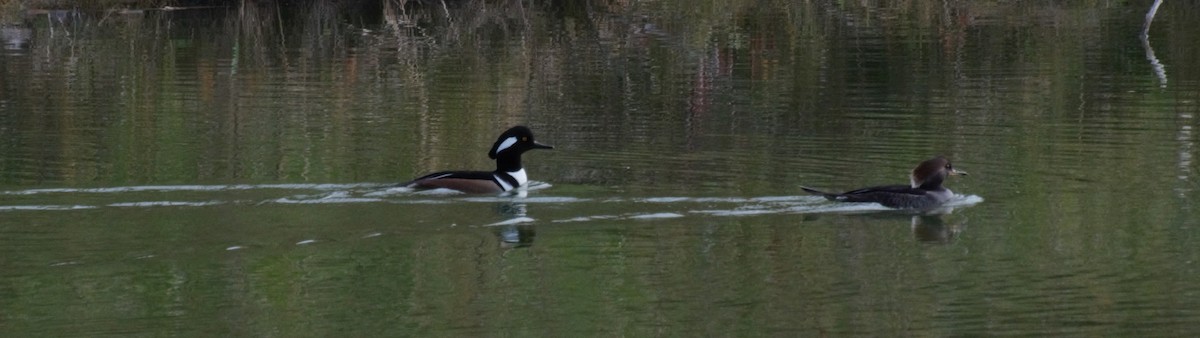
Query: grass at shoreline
x=84 y=3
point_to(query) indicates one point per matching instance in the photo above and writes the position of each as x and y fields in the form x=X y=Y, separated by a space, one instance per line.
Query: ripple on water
x=44 y=207
x=517 y=220
x=166 y=204
x=360 y=193
x=169 y=188
x=657 y=215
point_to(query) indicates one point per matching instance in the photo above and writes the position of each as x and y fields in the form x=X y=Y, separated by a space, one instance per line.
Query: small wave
x=585 y=218
x=339 y=200
x=166 y=204
x=421 y=201
x=657 y=215
x=687 y=200
x=502 y=199
x=642 y=216
x=335 y=197
x=735 y=212
x=964 y=201
x=437 y=192
x=518 y=220
x=805 y=198
x=680 y=199
x=666 y=199
x=44 y=207
x=766 y=206
x=221 y=187
x=838 y=207
x=390 y=192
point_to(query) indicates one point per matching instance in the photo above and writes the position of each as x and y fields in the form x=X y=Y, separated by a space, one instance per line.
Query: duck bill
x=954 y=172
x=537 y=145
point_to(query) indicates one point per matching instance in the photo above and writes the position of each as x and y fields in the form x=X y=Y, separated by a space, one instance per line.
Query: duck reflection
x=516 y=236
x=513 y=232
x=932 y=228
x=926 y=227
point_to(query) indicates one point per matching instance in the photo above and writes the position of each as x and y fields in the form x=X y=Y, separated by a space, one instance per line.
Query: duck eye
x=524 y=139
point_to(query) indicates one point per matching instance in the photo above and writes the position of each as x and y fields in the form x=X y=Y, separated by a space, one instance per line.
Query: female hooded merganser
x=924 y=192
x=509 y=173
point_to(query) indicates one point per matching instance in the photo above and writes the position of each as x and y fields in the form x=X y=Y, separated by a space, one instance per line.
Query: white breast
x=519 y=175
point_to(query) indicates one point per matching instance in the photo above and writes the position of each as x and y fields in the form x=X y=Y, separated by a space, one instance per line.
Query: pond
x=231 y=170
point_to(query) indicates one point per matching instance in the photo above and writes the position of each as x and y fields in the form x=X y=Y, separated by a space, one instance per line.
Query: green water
x=225 y=171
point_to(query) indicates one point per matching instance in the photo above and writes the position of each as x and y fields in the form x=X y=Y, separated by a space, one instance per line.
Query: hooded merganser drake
x=509 y=173
x=924 y=192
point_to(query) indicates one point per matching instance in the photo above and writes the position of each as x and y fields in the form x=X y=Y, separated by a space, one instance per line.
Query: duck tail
x=828 y=196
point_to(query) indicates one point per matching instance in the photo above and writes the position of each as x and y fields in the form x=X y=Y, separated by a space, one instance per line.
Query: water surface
x=229 y=170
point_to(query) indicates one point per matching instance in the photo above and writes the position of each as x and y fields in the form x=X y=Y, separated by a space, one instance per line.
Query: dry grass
x=83 y=4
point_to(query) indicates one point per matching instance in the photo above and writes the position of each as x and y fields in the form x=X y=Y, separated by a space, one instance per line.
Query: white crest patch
x=508 y=142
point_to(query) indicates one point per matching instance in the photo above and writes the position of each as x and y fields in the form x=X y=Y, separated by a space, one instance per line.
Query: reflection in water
x=512 y=210
x=1150 y=17
x=932 y=228
x=1186 y=148
x=516 y=236
x=15 y=37
x=928 y=227
x=1159 y=69
x=515 y=231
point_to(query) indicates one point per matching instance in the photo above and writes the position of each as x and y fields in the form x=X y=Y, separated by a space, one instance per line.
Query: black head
x=931 y=173
x=516 y=141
